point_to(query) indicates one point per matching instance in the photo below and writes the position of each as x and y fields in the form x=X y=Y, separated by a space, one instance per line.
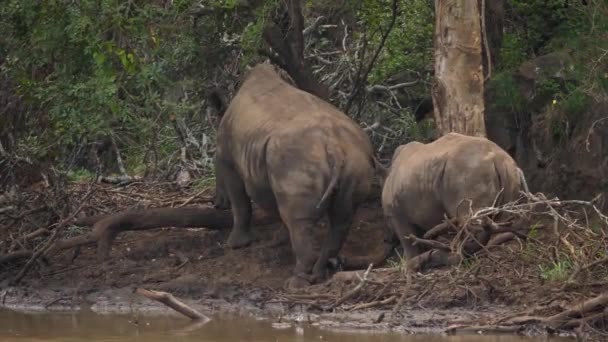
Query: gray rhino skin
x=294 y=155
x=425 y=181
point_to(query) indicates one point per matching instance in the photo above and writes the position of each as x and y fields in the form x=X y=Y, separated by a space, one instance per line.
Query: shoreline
x=122 y=301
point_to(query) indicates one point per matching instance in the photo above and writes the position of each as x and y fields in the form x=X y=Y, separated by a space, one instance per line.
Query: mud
x=195 y=266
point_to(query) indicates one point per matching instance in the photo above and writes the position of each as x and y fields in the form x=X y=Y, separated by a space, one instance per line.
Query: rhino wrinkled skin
x=295 y=155
x=425 y=181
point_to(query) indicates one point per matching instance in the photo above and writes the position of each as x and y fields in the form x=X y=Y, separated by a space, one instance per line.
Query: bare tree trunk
x=459 y=79
x=492 y=32
x=287 y=42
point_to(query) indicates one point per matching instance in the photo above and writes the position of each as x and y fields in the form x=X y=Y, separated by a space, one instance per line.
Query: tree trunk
x=286 y=38
x=459 y=80
x=494 y=23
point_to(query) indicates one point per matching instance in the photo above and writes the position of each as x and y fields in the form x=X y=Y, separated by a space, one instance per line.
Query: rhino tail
x=336 y=171
x=506 y=183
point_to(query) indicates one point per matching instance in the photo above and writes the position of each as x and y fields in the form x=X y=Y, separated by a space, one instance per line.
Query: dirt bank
x=193 y=265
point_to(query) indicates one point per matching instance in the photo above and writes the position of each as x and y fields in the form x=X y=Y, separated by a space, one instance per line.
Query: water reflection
x=90 y=327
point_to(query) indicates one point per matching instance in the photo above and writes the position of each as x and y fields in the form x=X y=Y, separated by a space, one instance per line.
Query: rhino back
x=267 y=104
x=410 y=190
x=438 y=176
x=272 y=128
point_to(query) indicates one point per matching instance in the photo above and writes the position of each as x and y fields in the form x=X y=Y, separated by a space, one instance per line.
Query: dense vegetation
x=85 y=79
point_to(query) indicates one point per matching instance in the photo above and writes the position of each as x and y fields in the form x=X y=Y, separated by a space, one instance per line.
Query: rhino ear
x=217 y=103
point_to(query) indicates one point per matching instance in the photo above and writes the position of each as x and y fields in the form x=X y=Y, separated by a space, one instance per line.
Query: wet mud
x=195 y=266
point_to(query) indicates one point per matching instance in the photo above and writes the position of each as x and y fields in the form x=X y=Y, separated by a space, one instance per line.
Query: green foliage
x=204 y=183
x=533 y=233
x=410 y=44
x=506 y=95
x=535 y=21
x=251 y=38
x=512 y=52
x=80 y=175
x=556 y=270
x=562 y=93
x=89 y=68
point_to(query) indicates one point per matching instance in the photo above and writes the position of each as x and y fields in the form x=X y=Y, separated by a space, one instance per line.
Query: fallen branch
x=433 y=258
x=428 y=243
x=172 y=302
x=579 y=269
x=375 y=303
x=49 y=243
x=354 y=291
x=567 y=318
x=441 y=228
x=10 y=257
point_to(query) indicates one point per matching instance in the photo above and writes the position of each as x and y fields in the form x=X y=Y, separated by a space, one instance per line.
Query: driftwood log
x=172 y=302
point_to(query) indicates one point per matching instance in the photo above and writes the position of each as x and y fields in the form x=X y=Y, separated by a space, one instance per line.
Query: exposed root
x=105 y=230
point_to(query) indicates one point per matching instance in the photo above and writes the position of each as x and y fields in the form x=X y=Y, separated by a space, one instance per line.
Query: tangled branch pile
x=548 y=252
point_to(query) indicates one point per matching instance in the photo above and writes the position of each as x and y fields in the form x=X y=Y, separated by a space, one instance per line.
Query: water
x=91 y=327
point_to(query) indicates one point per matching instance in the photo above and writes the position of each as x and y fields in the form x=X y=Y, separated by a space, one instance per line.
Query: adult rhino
x=450 y=175
x=294 y=155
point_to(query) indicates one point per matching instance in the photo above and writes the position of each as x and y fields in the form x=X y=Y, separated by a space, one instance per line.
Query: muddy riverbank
x=513 y=279
x=18 y=327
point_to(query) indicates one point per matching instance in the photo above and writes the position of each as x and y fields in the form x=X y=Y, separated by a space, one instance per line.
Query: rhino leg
x=340 y=219
x=240 y=236
x=300 y=232
x=403 y=229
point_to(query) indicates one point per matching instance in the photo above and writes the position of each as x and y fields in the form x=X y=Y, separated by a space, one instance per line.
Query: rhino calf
x=452 y=175
x=295 y=155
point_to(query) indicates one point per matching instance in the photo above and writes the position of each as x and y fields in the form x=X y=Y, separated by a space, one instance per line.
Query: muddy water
x=91 y=327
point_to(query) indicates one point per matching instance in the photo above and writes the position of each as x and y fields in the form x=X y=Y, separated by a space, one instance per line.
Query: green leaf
x=99 y=58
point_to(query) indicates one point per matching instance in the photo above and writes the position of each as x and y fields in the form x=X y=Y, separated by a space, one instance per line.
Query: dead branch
x=470 y=238
x=591 y=131
x=360 y=81
x=312 y=27
x=121 y=165
x=500 y=239
x=567 y=318
x=354 y=291
x=580 y=269
x=49 y=243
x=172 y=302
x=380 y=88
x=433 y=258
x=375 y=303
x=10 y=257
x=441 y=228
x=428 y=243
